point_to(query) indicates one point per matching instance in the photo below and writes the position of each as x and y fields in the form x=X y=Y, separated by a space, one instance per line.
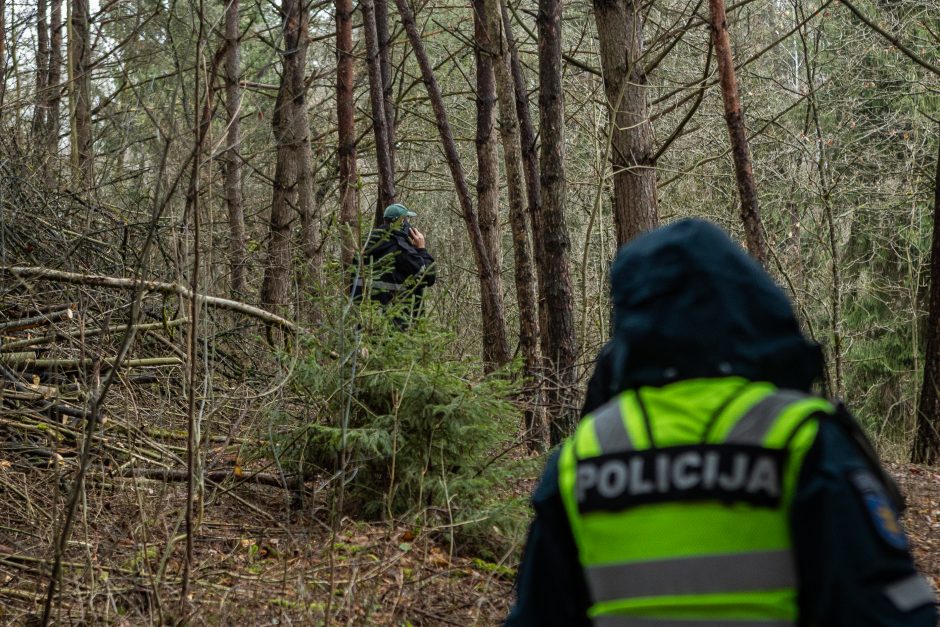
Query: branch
x=98 y=280
x=910 y=54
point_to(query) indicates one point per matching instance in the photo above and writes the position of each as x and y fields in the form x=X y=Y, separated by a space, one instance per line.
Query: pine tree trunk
x=233 y=166
x=620 y=31
x=495 y=343
x=559 y=344
x=80 y=95
x=42 y=74
x=490 y=294
x=530 y=161
x=926 y=449
x=346 y=116
x=292 y=176
x=385 y=67
x=383 y=158
x=3 y=53
x=53 y=124
x=494 y=43
x=740 y=151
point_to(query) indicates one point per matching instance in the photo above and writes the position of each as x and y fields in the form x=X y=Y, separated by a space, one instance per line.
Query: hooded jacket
x=689 y=303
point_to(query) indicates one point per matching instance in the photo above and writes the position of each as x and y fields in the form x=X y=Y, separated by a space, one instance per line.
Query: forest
x=201 y=425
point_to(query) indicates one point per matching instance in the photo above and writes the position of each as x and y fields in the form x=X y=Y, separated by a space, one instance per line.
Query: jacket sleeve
x=411 y=261
x=852 y=556
x=551 y=591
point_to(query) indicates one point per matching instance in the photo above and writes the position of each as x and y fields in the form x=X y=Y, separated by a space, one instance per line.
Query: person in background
x=396 y=267
x=710 y=487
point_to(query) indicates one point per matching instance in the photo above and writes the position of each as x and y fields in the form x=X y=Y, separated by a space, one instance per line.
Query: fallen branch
x=75 y=364
x=51 y=337
x=218 y=476
x=36 y=321
x=98 y=280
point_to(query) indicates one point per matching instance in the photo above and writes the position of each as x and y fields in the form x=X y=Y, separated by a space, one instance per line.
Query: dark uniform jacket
x=393 y=269
x=690 y=304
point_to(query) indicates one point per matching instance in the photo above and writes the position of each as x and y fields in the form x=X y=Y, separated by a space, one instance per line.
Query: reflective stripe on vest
x=636 y=621
x=382 y=285
x=706 y=574
x=674 y=560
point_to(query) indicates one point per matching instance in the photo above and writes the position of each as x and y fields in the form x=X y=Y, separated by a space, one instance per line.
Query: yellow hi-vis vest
x=679 y=497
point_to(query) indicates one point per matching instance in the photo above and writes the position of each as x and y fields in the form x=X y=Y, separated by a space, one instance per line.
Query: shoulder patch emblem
x=880 y=510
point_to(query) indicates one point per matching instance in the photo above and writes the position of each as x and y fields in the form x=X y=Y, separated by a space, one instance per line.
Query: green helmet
x=396 y=211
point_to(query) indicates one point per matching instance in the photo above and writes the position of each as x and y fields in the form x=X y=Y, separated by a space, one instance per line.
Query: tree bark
x=346 y=117
x=926 y=449
x=80 y=95
x=292 y=175
x=559 y=342
x=53 y=124
x=530 y=162
x=632 y=155
x=3 y=53
x=494 y=44
x=41 y=102
x=740 y=151
x=490 y=295
x=383 y=158
x=233 y=166
x=495 y=343
x=385 y=67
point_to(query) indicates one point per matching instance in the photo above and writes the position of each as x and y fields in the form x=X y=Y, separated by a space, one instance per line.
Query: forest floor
x=260 y=561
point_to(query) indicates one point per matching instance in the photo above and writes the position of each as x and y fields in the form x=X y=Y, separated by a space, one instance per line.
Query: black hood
x=690 y=303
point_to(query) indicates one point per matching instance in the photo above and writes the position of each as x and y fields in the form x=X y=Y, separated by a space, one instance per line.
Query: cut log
x=52 y=337
x=36 y=321
x=75 y=364
x=217 y=476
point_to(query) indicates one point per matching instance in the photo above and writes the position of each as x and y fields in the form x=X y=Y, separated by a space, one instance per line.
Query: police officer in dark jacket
x=706 y=486
x=396 y=266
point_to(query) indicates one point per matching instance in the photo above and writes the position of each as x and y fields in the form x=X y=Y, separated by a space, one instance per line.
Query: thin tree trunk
x=3 y=53
x=292 y=184
x=559 y=340
x=385 y=66
x=233 y=166
x=383 y=157
x=491 y=296
x=530 y=161
x=632 y=156
x=495 y=343
x=926 y=449
x=42 y=74
x=740 y=151
x=346 y=117
x=494 y=43
x=80 y=94
x=53 y=123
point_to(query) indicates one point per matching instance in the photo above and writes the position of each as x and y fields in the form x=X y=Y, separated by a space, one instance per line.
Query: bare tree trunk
x=292 y=184
x=346 y=117
x=926 y=449
x=530 y=161
x=741 y=152
x=385 y=66
x=42 y=74
x=632 y=156
x=80 y=94
x=494 y=44
x=383 y=156
x=495 y=343
x=490 y=295
x=55 y=85
x=559 y=342
x=233 y=165
x=3 y=52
